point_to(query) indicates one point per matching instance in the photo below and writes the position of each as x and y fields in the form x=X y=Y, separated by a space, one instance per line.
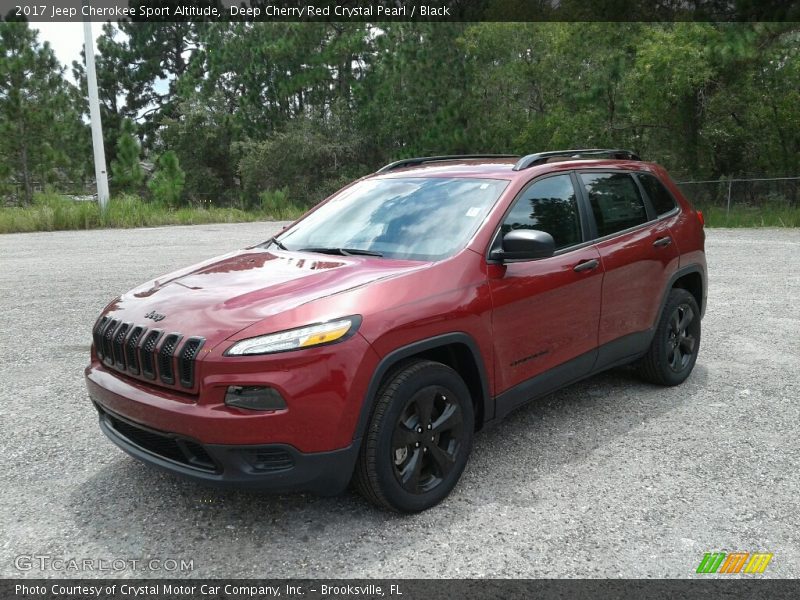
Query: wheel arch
x=690 y=278
x=458 y=350
x=692 y=282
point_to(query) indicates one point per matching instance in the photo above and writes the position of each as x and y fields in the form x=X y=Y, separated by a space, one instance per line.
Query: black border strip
x=376 y=11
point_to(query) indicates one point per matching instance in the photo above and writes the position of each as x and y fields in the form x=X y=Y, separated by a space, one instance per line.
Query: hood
x=222 y=296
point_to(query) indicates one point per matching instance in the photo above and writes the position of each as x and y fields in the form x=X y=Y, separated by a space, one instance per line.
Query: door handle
x=586 y=265
x=662 y=242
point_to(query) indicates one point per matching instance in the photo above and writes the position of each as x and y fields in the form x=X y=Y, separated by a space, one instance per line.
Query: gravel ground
x=608 y=478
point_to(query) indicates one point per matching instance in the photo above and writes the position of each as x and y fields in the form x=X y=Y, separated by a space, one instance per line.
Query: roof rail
x=413 y=162
x=542 y=157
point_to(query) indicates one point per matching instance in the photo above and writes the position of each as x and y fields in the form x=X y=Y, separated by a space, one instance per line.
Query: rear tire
x=418 y=439
x=673 y=351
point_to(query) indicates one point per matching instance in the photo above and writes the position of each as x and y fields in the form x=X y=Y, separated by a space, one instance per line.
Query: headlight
x=293 y=339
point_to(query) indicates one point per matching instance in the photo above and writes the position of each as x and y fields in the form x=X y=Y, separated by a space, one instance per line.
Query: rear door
x=638 y=256
x=546 y=311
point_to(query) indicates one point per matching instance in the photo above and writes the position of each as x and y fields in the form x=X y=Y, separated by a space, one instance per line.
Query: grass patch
x=752 y=216
x=51 y=212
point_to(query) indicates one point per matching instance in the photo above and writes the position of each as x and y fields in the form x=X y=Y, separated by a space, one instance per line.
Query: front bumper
x=271 y=467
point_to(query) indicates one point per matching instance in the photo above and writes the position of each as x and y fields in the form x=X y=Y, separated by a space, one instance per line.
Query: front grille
x=163 y=445
x=147 y=353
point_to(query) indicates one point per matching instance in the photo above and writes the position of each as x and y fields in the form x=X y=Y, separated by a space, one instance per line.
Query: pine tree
x=41 y=134
x=127 y=175
x=167 y=182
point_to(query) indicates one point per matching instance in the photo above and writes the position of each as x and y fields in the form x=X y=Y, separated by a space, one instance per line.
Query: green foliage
x=167 y=182
x=127 y=174
x=202 y=138
x=310 y=161
x=277 y=204
x=752 y=216
x=251 y=108
x=42 y=138
x=51 y=212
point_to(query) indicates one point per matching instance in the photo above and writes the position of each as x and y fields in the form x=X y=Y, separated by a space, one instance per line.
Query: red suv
x=370 y=339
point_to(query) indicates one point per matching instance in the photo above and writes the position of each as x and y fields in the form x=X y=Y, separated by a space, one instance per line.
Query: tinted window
x=662 y=200
x=548 y=205
x=616 y=202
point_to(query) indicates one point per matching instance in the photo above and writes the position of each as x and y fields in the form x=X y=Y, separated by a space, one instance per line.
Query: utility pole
x=94 y=115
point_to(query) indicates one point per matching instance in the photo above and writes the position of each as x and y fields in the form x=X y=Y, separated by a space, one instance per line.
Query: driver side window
x=548 y=205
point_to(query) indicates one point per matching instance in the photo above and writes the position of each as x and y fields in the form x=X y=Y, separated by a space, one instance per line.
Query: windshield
x=415 y=218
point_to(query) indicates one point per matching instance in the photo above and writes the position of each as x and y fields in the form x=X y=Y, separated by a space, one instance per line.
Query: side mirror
x=525 y=244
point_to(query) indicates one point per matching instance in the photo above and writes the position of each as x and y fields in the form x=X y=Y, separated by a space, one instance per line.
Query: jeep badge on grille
x=155 y=316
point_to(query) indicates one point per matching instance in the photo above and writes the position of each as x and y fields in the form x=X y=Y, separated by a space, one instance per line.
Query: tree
x=167 y=182
x=112 y=81
x=139 y=67
x=202 y=137
x=127 y=174
x=41 y=135
x=414 y=98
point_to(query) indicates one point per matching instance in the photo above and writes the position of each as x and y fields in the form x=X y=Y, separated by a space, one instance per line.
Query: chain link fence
x=753 y=193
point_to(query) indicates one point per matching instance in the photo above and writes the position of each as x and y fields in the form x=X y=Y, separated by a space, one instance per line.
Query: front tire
x=419 y=438
x=673 y=351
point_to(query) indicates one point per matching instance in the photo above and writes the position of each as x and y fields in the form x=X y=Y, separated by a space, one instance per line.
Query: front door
x=546 y=311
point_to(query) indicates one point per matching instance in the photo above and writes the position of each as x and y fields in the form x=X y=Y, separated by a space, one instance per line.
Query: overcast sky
x=66 y=40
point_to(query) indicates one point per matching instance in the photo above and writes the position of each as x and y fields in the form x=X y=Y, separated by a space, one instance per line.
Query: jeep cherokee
x=371 y=338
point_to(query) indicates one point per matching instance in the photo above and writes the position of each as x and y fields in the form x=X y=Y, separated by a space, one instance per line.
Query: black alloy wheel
x=418 y=439
x=681 y=337
x=676 y=341
x=427 y=439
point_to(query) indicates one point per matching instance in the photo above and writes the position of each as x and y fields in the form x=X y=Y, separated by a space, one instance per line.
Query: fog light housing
x=254 y=397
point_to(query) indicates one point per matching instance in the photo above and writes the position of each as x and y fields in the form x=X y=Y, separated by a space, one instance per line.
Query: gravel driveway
x=608 y=478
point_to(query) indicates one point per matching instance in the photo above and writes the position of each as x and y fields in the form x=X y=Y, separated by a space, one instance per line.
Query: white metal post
x=94 y=115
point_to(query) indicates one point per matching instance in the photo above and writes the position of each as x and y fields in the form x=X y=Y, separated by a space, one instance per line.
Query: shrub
x=127 y=174
x=308 y=159
x=277 y=205
x=168 y=181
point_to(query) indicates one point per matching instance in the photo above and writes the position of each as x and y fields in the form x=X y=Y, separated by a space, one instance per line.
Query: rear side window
x=616 y=201
x=549 y=205
x=662 y=200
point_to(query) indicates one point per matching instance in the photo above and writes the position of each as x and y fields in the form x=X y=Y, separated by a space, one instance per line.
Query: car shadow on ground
x=136 y=508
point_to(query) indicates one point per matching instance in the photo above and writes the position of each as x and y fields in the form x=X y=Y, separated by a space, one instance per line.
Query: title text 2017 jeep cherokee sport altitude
x=375 y=335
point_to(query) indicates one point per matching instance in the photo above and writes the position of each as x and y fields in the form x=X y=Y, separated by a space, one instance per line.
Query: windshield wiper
x=275 y=241
x=342 y=251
